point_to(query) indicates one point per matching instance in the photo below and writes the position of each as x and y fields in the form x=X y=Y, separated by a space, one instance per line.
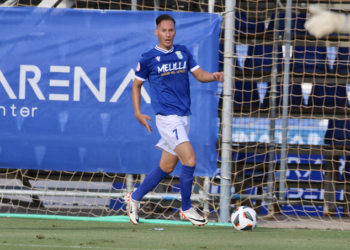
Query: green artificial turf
x=17 y=233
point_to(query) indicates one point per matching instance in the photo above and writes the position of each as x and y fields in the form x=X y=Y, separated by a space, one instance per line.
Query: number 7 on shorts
x=175 y=131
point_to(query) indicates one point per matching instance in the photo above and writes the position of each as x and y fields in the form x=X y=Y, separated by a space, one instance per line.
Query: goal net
x=288 y=106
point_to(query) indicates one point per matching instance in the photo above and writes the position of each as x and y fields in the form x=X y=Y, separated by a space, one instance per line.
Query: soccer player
x=325 y=22
x=166 y=66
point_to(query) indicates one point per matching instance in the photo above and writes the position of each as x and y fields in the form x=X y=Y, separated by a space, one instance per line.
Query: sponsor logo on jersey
x=158 y=58
x=179 y=55
x=172 y=66
x=138 y=67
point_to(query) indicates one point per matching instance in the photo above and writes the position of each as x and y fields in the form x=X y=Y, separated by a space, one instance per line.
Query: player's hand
x=324 y=22
x=219 y=76
x=143 y=120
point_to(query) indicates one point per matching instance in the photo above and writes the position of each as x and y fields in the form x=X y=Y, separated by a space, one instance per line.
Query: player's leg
x=166 y=166
x=174 y=132
x=187 y=157
x=168 y=162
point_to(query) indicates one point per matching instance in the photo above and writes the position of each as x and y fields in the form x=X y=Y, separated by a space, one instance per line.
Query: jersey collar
x=163 y=50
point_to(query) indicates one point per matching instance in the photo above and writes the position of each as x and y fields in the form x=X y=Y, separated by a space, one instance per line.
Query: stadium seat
x=295 y=92
x=246 y=94
x=330 y=95
x=281 y=23
x=260 y=58
x=338 y=132
x=309 y=59
x=341 y=64
x=244 y=25
x=236 y=62
x=297 y=25
x=300 y=29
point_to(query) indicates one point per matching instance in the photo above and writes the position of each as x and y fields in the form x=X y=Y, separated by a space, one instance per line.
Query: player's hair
x=164 y=17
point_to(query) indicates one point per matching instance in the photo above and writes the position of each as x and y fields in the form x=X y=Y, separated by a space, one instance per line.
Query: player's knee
x=190 y=161
x=168 y=169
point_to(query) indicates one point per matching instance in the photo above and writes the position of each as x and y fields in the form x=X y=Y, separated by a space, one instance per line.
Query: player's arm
x=204 y=76
x=324 y=22
x=136 y=101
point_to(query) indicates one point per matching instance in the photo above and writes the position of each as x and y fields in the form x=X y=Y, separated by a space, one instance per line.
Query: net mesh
x=314 y=180
x=317 y=163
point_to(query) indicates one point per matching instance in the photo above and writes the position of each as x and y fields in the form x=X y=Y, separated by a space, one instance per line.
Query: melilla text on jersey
x=172 y=68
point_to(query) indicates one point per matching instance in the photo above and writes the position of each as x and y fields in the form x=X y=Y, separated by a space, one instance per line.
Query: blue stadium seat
x=300 y=29
x=246 y=94
x=260 y=58
x=342 y=62
x=297 y=25
x=221 y=58
x=281 y=23
x=330 y=95
x=247 y=26
x=295 y=92
x=338 y=132
x=309 y=59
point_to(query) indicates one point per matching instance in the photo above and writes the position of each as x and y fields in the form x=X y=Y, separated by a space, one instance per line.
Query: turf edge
x=118 y=218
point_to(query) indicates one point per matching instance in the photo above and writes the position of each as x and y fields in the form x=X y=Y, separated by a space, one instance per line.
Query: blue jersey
x=167 y=72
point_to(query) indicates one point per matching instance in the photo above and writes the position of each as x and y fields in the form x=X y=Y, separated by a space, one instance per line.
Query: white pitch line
x=75 y=247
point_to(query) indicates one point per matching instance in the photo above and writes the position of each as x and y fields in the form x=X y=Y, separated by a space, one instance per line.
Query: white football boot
x=192 y=216
x=133 y=209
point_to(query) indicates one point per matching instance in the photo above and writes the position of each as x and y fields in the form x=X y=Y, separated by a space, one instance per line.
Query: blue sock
x=150 y=182
x=186 y=181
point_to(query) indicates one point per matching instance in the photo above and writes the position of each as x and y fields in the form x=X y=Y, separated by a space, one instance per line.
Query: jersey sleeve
x=192 y=64
x=142 y=71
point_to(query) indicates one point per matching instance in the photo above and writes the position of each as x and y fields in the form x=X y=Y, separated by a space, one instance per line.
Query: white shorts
x=174 y=130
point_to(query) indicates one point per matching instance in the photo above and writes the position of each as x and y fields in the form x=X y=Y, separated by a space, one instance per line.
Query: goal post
x=226 y=140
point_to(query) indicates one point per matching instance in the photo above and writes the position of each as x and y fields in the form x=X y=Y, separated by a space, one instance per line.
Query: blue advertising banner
x=65 y=89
